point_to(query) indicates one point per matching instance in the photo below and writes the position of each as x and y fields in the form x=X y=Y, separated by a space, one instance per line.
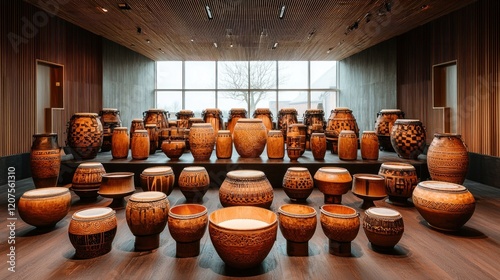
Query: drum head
x=91 y=214
x=45 y=192
x=148 y=196
x=245 y=174
x=157 y=170
x=383 y=213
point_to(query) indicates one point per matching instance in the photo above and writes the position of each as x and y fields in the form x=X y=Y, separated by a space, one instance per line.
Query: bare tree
x=239 y=76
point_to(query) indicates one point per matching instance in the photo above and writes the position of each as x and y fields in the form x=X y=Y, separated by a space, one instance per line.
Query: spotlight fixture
x=424 y=7
x=329 y=50
x=124 y=6
x=139 y=30
x=148 y=41
x=102 y=9
x=275 y=46
x=161 y=50
x=310 y=35
x=215 y=45
x=282 y=12
x=209 y=12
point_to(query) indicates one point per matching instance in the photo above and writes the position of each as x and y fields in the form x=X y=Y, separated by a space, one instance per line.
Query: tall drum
x=140 y=144
x=275 y=144
x=400 y=181
x=120 y=143
x=156 y=116
x=286 y=117
x=137 y=124
x=266 y=116
x=183 y=118
x=383 y=126
x=45 y=160
x=213 y=116
x=224 y=144
x=249 y=137
x=369 y=145
x=348 y=145
x=110 y=118
x=341 y=118
x=85 y=133
x=201 y=141
x=234 y=115
x=314 y=119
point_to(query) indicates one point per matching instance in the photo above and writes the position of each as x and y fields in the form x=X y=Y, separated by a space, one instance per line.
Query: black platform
x=217 y=168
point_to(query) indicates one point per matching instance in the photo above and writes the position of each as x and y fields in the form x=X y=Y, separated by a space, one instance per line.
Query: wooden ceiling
x=249 y=29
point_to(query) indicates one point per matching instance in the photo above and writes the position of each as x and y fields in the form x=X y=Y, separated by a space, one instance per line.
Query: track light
x=275 y=46
x=124 y=6
x=209 y=12
x=282 y=12
x=215 y=45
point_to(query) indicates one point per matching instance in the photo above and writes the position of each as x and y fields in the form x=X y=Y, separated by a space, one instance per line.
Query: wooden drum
x=224 y=144
x=146 y=215
x=85 y=133
x=266 y=116
x=275 y=144
x=383 y=227
x=234 y=115
x=286 y=117
x=44 y=207
x=400 y=180
x=91 y=231
x=156 y=116
x=348 y=145
x=187 y=224
x=183 y=118
x=383 y=126
x=87 y=180
x=140 y=144
x=246 y=188
x=369 y=145
x=201 y=141
x=194 y=182
x=45 y=160
x=250 y=137
x=213 y=116
x=120 y=142
x=158 y=178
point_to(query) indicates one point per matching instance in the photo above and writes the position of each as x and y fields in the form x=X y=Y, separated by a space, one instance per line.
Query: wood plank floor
x=422 y=253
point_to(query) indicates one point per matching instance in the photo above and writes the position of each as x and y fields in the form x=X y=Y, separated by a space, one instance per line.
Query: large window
x=197 y=85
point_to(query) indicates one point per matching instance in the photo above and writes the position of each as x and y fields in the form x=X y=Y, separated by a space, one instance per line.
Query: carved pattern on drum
x=156 y=116
x=45 y=164
x=93 y=245
x=266 y=116
x=383 y=226
x=340 y=229
x=242 y=191
x=88 y=177
x=342 y=119
x=161 y=183
x=399 y=182
x=229 y=242
x=385 y=121
x=202 y=141
x=187 y=230
x=298 y=184
x=447 y=158
x=85 y=135
x=286 y=117
x=148 y=217
x=408 y=139
x=449 y=207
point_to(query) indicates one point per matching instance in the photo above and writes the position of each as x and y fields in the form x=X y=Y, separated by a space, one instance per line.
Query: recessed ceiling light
x=209 y=12
x=215 y=45
x=148 y=41
x=124 y=6
x=102 y=9
x=282 y=12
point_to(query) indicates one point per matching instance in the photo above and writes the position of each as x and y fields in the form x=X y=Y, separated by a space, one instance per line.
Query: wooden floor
x=422 y=253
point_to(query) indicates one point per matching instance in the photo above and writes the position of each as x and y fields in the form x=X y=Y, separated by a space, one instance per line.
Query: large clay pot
x=369 y=145
x=333 y=182
x=340 y=224
x=298 y=129
x=146 y=214
x=120 y=143
x=447 y=158
x=246 y=188
x=234 y=115
x=201 y=140
x=153 y=137
x=117 y=185
x=44 y=207
x=158 y=178
x=85 y=133
x=92 y=231
x=187 y=224
x=318 y=145
x=286 y=117
x=297 y=223
x=275 y=144
x=369 y=187
x=445 y=206
x=156 y=116
x=45 y=160
x=140 y=144
x=250 y=137
x=194 y=182
x=213 y=116
x=243 y=236
x=400 y=180
x=383 y=126
x=408 y=138
x=383 y=227
x=298 y=183
x=224 y=144
x=183 y=117
x=87 y=180
x=348 y=145
x=266 y=116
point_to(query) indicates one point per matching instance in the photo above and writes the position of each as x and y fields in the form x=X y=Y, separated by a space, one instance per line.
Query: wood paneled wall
x=128 y=81
x=28 y=34
x=471 y=36
x=368 y=83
